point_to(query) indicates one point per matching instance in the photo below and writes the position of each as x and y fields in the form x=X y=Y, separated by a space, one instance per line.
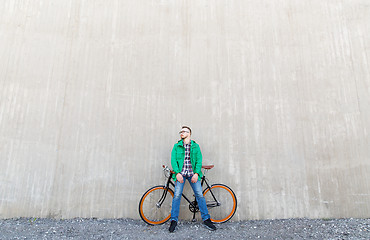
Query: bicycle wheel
x=222 y=204
x=155 y=205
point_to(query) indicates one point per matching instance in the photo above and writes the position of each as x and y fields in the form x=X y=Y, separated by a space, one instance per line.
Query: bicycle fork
x=163 y=197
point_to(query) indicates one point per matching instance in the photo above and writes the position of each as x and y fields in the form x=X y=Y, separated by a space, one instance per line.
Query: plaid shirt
x=187 y=170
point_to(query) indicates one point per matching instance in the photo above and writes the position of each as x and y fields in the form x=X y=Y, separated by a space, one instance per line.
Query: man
x=186 y=161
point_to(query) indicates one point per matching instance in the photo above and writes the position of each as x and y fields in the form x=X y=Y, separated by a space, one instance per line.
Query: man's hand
x=179 y=178
x=194 y=178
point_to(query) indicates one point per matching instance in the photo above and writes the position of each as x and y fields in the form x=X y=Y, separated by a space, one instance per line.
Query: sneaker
x=172 y=226
x=208 y=224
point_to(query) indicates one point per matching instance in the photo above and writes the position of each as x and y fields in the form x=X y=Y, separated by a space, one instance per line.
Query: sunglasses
x=183 y=132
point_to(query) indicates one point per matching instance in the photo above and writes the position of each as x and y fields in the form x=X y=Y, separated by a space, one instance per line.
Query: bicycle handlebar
x=167 y=169
x=207 y=167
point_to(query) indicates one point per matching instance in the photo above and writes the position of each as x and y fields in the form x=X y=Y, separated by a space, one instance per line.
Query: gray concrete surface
x=93 y=93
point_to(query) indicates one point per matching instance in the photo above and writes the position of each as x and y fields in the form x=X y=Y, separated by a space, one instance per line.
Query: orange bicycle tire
x=144 y=213
x=226 y=192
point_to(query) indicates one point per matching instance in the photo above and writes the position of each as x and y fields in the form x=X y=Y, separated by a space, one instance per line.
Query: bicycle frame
x=219 y=197
x=195 y=207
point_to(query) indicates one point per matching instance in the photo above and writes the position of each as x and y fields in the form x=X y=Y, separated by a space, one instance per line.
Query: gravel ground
x=25 y=228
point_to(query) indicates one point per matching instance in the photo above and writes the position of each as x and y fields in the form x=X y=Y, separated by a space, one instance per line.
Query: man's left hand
x=194 y=178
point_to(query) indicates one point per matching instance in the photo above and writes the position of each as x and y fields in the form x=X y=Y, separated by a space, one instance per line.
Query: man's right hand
x=179 y=178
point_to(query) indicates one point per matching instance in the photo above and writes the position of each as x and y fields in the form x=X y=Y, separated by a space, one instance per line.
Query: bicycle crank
x=193 y=207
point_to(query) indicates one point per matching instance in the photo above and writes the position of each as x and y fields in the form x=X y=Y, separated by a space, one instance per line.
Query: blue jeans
x=197 y=188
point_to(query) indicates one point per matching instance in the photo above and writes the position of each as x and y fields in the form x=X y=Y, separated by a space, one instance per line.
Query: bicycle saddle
x=208 y=166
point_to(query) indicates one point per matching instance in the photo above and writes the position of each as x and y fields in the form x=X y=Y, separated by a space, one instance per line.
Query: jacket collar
x=181 y=143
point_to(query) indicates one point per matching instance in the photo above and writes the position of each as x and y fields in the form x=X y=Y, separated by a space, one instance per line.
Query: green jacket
x=178 y=156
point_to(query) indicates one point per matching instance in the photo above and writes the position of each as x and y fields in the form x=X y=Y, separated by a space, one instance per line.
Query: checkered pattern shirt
x=187 y=170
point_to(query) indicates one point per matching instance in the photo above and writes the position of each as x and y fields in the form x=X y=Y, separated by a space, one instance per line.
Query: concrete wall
x=93 y=93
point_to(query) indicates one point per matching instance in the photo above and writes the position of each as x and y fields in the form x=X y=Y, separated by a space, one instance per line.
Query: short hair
x=187 y=128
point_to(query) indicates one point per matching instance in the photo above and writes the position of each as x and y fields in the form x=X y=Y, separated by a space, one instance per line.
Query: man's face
x=184 y=133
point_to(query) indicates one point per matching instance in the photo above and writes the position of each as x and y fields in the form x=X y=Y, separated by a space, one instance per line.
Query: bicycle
x=155 y=204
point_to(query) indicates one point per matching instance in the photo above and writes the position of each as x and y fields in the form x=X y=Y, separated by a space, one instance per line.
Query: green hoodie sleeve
x=198 y=164
x=174 y=164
